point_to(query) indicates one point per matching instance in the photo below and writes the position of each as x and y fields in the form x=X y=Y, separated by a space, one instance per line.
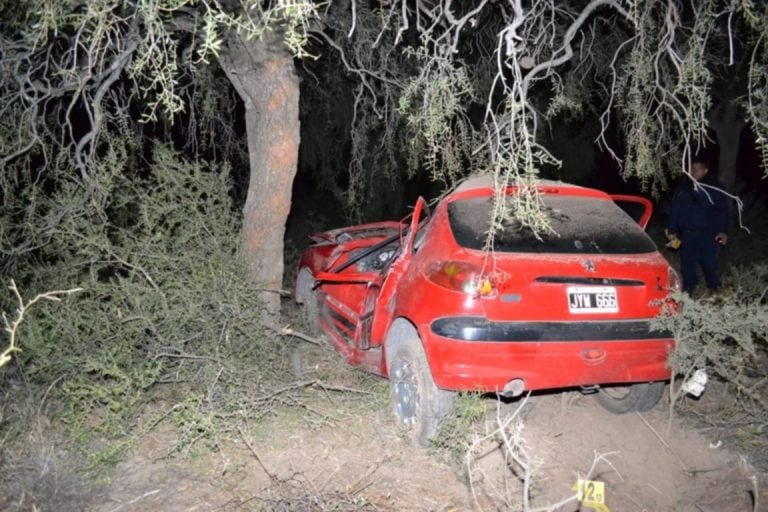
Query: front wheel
x=636 y=397
x=417 y=402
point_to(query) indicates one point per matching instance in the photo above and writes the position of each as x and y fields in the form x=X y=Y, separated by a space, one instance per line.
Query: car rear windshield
x=579 y=225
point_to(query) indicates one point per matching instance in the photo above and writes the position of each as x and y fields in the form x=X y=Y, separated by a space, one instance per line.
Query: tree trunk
x=264 y=76
x=727 y=122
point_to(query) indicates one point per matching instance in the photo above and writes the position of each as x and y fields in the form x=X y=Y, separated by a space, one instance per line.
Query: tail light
x=670 y=305
x=461 y=277
x=673 y=280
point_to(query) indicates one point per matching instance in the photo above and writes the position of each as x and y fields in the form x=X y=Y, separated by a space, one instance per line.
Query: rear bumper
x=480 y=329
x=470 y=353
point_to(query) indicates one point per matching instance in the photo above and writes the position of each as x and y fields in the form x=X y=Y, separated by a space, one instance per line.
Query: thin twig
x=357 y=488
x=255 y=454
x=12 y=327
x=342 y=389
x=311 y=383
x=288 y=331
x=682 y=464
x=135 y=500
x=184 y=355
x=48 y=390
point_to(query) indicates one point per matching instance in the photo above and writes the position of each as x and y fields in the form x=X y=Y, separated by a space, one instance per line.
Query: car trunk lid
x=576 y=287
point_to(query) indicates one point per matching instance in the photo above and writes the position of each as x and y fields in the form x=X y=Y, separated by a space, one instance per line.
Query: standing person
x=699 y=220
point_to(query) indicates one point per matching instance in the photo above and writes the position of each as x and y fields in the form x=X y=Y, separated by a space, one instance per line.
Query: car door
x=377 y=312
x=637 y=207
x=342 y=291
x=349 y=298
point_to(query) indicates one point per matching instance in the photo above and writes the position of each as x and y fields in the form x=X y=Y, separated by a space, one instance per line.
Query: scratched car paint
x=425 y=303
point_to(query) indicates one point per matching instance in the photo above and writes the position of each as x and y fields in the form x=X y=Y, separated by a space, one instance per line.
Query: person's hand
x=673 y=240
x=721 y=238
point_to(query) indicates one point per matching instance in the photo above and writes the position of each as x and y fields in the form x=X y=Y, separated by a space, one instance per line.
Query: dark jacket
x=698 y=210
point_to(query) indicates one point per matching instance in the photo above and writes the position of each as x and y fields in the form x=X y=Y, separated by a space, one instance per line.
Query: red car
x=426 y=304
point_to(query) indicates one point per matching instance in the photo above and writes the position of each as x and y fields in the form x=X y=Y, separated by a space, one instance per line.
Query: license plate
x=592 y=299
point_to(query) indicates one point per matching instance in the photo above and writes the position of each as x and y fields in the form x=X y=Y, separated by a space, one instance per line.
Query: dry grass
x=40 y=470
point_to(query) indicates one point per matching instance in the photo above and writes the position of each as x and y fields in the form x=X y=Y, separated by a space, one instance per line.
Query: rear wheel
x=637 y=397
x=417 y=402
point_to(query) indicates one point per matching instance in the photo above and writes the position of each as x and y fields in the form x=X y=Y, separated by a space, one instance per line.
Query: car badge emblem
x=588 y=265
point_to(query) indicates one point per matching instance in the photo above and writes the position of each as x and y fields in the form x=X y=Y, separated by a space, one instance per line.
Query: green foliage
x=365 y=166
x=663 y=92
x=164 y=300
x=518 y=164
x=454 y=436
x=73 y=71
x=756 y=102
x=155 y=246
x=568 y=98
x=434 y=103
x=522 y=209
x=724 y=337
x=483 y=78
x=751 y=437
x=11 y=326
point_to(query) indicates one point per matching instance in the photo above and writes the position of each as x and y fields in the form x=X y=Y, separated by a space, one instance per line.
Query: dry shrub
x=166 y=306
x=728 y=338
x=723 y=336
x=514 y=487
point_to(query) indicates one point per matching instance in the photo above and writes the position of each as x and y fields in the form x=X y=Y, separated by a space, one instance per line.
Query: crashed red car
x=424 y=303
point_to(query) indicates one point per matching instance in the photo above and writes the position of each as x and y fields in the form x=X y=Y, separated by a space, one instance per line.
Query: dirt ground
x=361 y=463
x=342 y=452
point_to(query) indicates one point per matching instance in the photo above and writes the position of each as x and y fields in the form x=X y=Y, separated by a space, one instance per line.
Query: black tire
x=418 y=404
x=637 y=397
x=305 y=296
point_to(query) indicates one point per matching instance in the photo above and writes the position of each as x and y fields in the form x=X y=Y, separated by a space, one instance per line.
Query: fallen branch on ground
x=288 y=331
x=508 y=434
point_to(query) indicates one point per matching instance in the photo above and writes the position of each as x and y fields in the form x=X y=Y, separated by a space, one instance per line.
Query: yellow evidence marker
x=591 y=494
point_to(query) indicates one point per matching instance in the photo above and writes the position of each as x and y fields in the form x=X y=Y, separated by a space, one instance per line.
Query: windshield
x=579 y=225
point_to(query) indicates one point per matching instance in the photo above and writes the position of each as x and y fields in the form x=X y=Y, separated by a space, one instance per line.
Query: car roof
x=486 y=181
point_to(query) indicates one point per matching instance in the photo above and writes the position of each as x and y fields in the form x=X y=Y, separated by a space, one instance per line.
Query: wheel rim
x=405 y=393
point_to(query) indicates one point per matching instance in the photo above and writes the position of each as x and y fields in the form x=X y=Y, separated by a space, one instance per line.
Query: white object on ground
x=695 y=385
